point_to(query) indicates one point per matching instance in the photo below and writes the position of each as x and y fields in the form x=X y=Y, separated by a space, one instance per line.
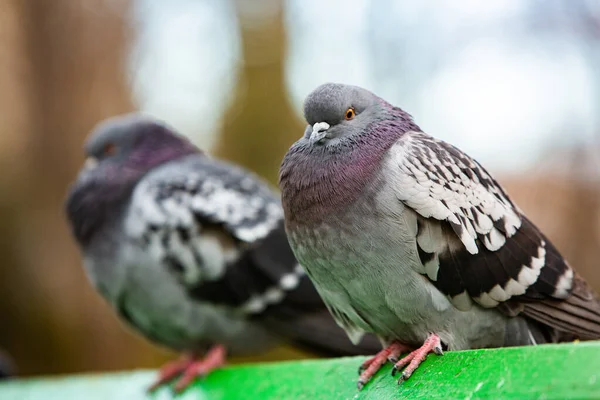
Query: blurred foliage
x=260 y=124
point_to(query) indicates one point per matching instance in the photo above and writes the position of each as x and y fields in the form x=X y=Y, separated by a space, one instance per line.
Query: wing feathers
x=474 y=243
x=220 y=230
x=439 y=181
x=578 y=314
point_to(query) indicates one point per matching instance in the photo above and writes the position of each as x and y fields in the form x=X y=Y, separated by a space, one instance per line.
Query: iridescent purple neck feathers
x=152 y=151
x=100 y=193
x=317 y=182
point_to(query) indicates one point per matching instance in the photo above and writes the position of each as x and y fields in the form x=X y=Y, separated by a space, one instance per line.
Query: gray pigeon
x=408 y=237
x=191 y=251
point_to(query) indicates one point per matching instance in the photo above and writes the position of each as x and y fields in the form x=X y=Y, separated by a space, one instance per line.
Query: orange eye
x=109 y=149
x=350 y=113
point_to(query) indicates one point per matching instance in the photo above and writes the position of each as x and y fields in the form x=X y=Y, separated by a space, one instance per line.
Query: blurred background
x=514 y=83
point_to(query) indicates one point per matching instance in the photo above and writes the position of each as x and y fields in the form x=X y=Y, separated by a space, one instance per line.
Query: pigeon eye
x=350 y=113
x=109 y=149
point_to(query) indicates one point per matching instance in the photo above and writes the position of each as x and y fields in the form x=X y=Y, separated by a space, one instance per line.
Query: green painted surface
x=570 y=371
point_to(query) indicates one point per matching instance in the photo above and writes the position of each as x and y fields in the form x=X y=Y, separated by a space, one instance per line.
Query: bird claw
x=170 y=371
x=403 y=377
x=360 y=384
x=415 y=358
x=365 y=364
x=189 y=369
x=412 y=361
x=370 y=366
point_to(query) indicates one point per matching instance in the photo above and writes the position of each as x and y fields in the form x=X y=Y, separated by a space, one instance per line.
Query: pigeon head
x=119 y=151
x=133 y=144
x=335 y=112
x=339 y=113
x=350 y=130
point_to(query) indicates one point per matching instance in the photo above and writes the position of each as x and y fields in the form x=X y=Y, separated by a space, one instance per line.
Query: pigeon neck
x=95 y=206
x=317 y=185
x=153 y=151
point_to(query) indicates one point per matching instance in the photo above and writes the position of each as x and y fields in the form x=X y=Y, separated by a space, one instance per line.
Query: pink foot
x=171 y=370
x=415 y=358
x=190 y=369
x=370 y=367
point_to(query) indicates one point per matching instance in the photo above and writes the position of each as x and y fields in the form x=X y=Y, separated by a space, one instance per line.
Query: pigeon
x=192 y=251
x=407 y=237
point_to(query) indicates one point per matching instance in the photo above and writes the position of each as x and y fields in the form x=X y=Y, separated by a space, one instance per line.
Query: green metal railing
x=567 y=371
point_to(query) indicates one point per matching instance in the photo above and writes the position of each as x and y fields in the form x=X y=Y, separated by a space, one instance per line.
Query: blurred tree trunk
x=15 y=74
x=65 y=71
x=260 y=124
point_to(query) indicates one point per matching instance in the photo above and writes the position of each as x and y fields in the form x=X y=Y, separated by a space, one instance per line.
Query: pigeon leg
x=370 y=367
x=415 y=358
x=171 y=370
x=214 y=359
x=189 y=367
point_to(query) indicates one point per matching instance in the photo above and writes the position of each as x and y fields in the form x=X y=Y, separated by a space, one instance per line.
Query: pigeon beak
x=319 y=132
x=90 y=163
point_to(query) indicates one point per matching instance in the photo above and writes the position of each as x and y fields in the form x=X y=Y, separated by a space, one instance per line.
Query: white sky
x=185 y=62
x=501 y=98
x=502 y=103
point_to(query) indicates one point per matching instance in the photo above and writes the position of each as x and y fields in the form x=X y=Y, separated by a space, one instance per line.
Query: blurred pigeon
x=408 y=237
x=192 y=251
